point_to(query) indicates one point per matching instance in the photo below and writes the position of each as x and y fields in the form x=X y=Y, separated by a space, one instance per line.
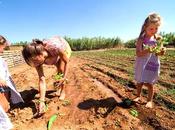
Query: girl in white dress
x=147 y=66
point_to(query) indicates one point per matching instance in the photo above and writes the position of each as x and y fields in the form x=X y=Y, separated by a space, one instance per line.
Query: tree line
x=86 y=43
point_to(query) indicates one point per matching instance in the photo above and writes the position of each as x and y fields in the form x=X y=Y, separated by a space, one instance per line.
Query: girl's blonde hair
x=152 y=18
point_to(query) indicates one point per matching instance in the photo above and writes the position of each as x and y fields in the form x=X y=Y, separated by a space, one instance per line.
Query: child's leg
x=139 y=89
x=150 y=95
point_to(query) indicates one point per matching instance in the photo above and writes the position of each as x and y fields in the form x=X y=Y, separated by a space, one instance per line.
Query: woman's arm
x=65 y=59
x=139 y=48
x=2 y=83
x=162 y=52
x=42 y=82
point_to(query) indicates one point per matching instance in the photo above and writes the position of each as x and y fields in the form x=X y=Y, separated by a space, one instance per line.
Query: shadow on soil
x=29 y=96
x=109 y=104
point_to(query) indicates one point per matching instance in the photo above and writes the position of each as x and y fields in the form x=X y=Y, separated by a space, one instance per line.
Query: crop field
x=98 y=81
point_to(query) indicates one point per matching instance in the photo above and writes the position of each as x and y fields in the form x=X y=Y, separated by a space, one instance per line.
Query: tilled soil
x=93 y=102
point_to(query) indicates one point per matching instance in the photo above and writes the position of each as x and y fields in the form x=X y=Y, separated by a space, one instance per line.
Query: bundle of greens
x=159 y=47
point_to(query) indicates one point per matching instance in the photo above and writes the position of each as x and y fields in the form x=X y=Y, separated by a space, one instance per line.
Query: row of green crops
x=93 y=43
x=101 y=42
x=123 y=60
x=86 y=43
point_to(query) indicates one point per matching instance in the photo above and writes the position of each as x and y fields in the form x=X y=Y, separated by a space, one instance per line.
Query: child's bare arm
x=140 y=51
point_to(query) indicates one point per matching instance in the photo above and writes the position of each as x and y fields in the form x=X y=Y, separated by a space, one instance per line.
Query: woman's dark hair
x=37 y=41
x=33 y=49
x=2 y=40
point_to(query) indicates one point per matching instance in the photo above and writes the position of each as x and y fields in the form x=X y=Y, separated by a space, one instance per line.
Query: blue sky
x=23 y=20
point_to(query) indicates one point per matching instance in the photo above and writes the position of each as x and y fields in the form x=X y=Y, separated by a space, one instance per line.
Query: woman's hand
x=60 y=82
x=162 y=52
x=3 y=83
x=42 y=107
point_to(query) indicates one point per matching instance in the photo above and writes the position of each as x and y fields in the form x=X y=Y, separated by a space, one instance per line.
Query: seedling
x=134 y=112
x=52 y=119
x=58 y=76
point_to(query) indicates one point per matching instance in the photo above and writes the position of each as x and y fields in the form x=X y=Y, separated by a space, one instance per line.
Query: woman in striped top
x=54 y=51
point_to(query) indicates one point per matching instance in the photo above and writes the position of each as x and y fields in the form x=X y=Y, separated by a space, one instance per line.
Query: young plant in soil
x=134 y=112
x=58 y=76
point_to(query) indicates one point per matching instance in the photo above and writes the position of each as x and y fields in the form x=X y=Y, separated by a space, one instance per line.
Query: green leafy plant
x=52 y=119
x=157 y=49
x=58 y=76
x=134 y=112
x=168 y=92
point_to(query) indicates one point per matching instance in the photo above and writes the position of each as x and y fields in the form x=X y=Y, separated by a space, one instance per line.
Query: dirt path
x=91 y=103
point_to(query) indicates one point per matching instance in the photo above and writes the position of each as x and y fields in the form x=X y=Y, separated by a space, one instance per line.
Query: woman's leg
x=60 y=69
x=150 y=95
x=139 y=90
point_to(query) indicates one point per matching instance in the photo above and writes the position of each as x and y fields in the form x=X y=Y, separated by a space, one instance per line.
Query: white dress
x=147 y=68
x=5 y=75
x=5 y=123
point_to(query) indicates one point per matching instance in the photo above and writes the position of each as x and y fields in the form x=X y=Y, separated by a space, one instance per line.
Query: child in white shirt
x=8 y=92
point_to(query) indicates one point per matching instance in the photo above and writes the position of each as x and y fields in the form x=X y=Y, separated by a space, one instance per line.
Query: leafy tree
x=131 y=43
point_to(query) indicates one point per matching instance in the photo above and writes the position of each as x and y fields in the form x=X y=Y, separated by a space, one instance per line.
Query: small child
x=147 y=66
x=8 y=92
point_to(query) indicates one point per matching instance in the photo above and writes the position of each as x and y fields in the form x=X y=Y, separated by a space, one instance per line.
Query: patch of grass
x=168 y=92
x=117 y=123
x=134 y=112
x=161 y=100
x=123 y=61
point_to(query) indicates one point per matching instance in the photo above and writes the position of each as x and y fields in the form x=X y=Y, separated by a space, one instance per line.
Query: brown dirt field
x=94 y=102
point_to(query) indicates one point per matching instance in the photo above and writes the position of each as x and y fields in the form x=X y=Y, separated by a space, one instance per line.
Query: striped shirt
x=53 y=44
